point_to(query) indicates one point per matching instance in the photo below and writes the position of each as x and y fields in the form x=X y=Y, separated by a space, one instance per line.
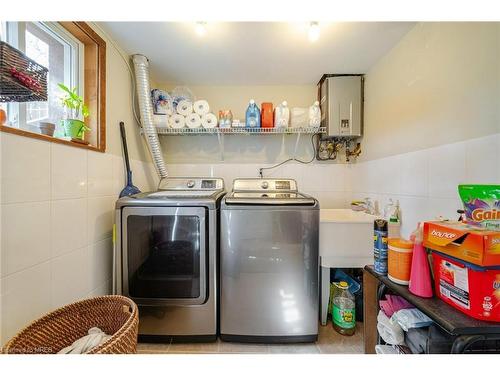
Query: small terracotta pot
x=47 y=128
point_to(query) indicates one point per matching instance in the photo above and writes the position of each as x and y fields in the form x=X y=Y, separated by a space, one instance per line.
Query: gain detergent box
x=482 y=205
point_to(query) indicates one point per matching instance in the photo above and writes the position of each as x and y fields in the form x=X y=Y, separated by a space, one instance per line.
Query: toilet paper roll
x=185 y=107
x=201 y=107
x=209 y=121
x=177 y=121
x=193 y=120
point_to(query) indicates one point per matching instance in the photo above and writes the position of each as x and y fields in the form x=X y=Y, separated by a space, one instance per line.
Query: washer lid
x=269 y=198
x=181 y=193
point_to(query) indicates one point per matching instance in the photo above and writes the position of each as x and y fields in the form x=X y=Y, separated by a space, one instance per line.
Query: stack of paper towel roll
x=193 y=115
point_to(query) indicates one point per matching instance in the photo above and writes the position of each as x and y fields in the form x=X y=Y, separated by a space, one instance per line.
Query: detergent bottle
x=252 y=118
x=315 y=115
x=282 y=115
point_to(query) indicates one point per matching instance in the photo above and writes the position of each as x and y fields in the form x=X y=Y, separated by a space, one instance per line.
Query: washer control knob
x=190 y=184
x=264 y=184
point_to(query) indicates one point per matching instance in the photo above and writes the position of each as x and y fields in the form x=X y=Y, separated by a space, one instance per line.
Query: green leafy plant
x=73 y=102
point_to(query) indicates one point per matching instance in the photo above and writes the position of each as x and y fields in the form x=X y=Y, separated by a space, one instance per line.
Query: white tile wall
x=69 y=172
x=70 y=277
x=26 y=295
x=100 y=218
x=68 y=225
x=57 y=203
x=56 y=225
x=101 y=257
x=425 y=182
x=100 y=174
x=25 y=235
x=326 y=182
x=25 y=169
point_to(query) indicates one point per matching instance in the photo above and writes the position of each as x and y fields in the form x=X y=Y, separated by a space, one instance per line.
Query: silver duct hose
x=141 y=68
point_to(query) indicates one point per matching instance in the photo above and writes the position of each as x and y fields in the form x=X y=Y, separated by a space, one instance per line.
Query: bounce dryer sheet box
x=464 y=242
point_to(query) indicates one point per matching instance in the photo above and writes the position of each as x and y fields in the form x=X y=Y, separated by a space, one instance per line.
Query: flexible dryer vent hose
x=141 y=68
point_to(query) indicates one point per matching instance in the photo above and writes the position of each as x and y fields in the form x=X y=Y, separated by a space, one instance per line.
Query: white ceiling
x=255 y=53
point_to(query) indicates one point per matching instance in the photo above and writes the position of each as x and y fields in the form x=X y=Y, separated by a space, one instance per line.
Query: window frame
x=92 y=58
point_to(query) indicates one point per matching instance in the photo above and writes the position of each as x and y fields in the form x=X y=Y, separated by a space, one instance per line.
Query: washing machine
x=269 y=255
x=165 y=258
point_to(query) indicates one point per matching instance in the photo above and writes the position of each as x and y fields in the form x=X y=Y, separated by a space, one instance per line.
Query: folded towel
x=411 y=318
x=393 y=303
x=85 y=344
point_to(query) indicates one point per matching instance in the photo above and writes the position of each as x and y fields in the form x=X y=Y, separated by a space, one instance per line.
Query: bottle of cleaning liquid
x=388 y=209
x=344 y=310
x=394 y=225
x=282 y=116
x=315 y=115
x=252 y=118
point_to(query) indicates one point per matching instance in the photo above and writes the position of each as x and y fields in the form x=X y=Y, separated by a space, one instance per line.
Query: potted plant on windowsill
x=73 y=126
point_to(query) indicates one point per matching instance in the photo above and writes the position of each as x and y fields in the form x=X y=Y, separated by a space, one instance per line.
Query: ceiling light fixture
x=201 y=28
x=314 y=31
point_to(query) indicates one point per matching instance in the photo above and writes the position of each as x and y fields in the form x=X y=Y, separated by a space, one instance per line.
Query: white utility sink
x=345 y=241
x=345 y=238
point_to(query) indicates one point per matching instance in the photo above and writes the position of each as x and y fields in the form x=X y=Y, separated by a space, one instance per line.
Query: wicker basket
x=21 y=78
x=115 y=315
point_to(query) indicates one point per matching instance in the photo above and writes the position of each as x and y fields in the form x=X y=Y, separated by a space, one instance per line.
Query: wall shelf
x=239 y=130
x=221 y=132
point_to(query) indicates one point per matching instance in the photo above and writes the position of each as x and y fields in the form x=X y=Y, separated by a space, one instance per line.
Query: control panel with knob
x=190 y=184
x=264 y=184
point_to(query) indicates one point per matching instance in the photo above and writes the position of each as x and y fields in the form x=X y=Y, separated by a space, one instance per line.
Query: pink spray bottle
x=420 y=277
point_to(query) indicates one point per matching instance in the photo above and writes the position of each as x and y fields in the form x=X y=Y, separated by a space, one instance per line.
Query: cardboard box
x=464 y=242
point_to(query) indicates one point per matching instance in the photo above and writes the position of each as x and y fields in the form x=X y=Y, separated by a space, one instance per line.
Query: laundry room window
x=74 y=56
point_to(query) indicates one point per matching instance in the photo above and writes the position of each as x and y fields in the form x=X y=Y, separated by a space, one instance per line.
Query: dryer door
x=164 y=255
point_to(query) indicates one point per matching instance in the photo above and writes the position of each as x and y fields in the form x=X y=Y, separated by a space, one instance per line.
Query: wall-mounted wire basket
x=21 y=78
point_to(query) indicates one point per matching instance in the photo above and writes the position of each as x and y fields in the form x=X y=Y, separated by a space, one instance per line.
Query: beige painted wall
x=440 y=84
x=119 y=104
x=241 y=148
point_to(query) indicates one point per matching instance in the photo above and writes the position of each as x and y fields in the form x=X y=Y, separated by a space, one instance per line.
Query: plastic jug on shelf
x=315 y=115
x=266 y=115
x=252 y=118
x=282 y=116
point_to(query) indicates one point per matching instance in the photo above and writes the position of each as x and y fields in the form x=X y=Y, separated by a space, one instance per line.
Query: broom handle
x=125 y=150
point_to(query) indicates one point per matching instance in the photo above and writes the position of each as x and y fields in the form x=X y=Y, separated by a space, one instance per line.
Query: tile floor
x=329 y=342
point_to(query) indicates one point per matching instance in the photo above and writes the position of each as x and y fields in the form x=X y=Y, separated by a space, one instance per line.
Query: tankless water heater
x=341 y=102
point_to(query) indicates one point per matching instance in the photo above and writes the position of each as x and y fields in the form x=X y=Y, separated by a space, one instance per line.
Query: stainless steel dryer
x=166 y=258
x=269 y=258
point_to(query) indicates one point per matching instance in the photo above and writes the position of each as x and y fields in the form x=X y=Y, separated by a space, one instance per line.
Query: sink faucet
x=369 y=207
